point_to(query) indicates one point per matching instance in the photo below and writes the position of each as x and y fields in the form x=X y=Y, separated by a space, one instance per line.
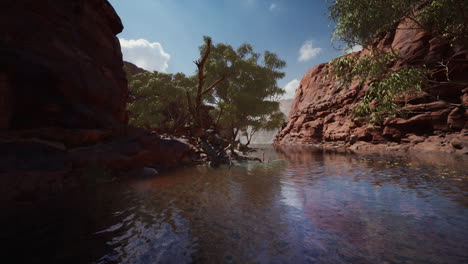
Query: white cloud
x=290 y=88
x=144 y=54
x=273 y=6
x=353 y=49
x=308 y=52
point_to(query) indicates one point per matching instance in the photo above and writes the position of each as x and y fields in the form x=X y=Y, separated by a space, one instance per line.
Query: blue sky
x=164 y=35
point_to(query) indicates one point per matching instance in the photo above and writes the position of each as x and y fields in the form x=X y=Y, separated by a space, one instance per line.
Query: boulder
x=457 y=144
x=457 y=119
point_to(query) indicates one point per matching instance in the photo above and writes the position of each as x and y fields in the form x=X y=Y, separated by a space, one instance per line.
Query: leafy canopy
x=158 y=100
x=244 y=96
x=363 y=22
x=248 y=97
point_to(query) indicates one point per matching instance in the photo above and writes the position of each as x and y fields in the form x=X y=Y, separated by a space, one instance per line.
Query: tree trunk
x=195 y=109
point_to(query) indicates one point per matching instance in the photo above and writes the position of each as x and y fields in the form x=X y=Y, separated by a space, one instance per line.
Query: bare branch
x=213 y=85
x=437 y=83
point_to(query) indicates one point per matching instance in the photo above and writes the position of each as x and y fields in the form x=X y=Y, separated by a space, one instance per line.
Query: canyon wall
x=436 y=120
x=61 y=65
x=63 y=96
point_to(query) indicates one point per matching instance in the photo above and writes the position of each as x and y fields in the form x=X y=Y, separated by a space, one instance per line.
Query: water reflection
x=299 y=206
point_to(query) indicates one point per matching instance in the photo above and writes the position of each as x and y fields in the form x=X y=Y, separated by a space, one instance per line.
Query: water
x=300 y=206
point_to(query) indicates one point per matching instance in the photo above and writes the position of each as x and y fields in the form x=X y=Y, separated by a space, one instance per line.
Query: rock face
x=32 y=167
x=63 y=95
x=132 y=69
x=321 y=111
x=61 y=65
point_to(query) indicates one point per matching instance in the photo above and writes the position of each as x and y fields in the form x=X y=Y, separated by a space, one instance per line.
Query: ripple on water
x=300 y=206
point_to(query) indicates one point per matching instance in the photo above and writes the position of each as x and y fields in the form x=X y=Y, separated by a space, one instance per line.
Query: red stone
x=63 y=63
x=319 y=97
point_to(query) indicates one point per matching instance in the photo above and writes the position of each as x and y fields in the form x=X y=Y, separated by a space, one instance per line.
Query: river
x=299 y=206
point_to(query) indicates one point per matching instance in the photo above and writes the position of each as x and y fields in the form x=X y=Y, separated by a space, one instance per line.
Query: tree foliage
x=239 y=84
x=248 y=96
x=385 y=83
x=267 y=123
x=195 y=103
x=158 y=100
x=363 y=22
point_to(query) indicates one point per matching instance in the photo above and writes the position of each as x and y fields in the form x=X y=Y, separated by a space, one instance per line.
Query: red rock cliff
x=321 y=111
x=61 y=65
x=63 y=95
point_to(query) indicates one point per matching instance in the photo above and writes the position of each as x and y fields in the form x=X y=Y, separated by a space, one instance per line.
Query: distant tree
x=268 y=122
x=363 y=22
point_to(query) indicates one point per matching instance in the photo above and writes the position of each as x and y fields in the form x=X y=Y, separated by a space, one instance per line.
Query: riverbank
x=454 y=144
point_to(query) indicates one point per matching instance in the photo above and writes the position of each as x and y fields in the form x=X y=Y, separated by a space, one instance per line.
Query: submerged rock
x=150 y=172
x=456 y=144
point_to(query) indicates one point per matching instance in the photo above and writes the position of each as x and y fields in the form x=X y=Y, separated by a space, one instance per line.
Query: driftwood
x=216 y=150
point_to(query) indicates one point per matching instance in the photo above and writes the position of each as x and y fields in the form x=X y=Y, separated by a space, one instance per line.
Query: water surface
x=299 y=206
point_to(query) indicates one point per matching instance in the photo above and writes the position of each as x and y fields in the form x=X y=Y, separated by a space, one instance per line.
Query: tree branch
x=201 y=65
x=214 y=85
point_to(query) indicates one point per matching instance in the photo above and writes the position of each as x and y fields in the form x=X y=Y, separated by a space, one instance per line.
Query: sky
x=164 y=35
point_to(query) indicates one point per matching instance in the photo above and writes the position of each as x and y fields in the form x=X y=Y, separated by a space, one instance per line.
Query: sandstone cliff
x=132 y=69
x=63 y=95
x=61 y=65
x=436 y=120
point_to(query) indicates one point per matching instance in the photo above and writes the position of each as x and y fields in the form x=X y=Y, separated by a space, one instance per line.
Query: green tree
x=268 y=122
x=196 y=102
x=363 y=22
x=158 y=101
x=249 y=92
x=240 y=86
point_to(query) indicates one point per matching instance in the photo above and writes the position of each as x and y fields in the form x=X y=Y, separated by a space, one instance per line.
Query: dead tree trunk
x=196 y=106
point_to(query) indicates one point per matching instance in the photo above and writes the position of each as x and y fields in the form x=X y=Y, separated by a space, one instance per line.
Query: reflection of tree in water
x=299 y=154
